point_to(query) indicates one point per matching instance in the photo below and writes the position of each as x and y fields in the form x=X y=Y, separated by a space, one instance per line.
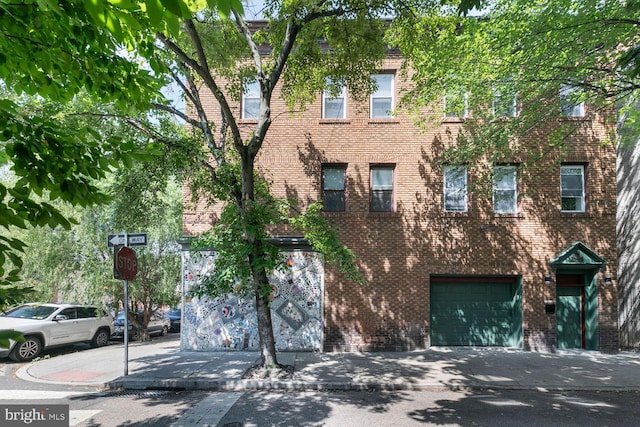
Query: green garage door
x=476 y=312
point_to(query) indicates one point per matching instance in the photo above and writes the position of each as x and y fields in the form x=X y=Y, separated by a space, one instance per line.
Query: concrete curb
x=277 y=385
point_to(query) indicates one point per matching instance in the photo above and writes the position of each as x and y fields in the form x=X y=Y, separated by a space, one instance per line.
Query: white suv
x=50 y=325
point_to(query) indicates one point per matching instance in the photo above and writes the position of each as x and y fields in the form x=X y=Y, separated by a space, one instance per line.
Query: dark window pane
x=382 y=201
x=333 y=201
x=569 y=204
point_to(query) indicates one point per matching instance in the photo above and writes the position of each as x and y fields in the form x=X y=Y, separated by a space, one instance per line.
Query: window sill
x=335 y=121
x=573 y=118
x=500 y=119
x=384 y=121
x=247 y=121
x=383 y=214
x=453 y=120
x=447 y=214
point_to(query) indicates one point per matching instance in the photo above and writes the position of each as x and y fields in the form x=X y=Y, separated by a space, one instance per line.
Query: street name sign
x=134 y=239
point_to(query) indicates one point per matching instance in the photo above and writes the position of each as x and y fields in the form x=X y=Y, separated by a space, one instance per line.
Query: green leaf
x=176 y=7
x=155 y=12
x=10 y=334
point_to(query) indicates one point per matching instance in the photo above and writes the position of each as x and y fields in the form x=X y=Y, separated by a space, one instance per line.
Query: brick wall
x=399 y=251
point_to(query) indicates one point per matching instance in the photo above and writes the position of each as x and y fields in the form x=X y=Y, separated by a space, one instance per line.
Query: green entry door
x=475 y=312
x=569 y=317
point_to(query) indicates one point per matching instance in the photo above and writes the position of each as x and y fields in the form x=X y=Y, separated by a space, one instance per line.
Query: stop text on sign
x=127 y=264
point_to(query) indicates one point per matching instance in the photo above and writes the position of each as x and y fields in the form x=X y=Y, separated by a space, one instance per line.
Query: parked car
x=158 y=325
x=51 y=325
x=175 y=319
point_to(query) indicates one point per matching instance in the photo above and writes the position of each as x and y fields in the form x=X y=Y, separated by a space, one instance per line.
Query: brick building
x=529 y=263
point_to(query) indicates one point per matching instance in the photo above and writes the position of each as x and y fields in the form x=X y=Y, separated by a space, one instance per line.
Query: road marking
x=37 y=394
x=76 y=417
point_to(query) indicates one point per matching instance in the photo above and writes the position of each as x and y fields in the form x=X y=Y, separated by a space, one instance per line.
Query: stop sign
x=127 y=263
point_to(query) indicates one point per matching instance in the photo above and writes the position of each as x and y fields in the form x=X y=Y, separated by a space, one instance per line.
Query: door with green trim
x=570 y=317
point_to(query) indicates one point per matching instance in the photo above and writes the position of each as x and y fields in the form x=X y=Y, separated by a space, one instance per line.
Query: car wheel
x=27 y=350
x=100 y=339
x=164 y=331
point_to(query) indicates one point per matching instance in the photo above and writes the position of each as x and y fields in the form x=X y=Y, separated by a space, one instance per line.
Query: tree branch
x=206 y=76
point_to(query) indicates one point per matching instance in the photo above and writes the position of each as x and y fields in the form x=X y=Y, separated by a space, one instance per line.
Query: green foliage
x=324 y=239
x=77 y=265
x=530 y=48
x=56 y=153
x=9 y=334
x=235 y=233
x=53 y=51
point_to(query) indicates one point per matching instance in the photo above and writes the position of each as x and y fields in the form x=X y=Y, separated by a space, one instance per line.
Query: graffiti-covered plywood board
x=229 y=322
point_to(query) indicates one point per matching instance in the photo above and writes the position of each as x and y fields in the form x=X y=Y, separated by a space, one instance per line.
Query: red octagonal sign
x=127 y=263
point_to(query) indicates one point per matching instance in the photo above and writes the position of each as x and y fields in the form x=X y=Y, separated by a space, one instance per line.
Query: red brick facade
x=401 y=251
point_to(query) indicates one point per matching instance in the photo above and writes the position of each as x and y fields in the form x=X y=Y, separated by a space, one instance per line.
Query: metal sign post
x=125 y=267
x=125 y=335
x=126 y=328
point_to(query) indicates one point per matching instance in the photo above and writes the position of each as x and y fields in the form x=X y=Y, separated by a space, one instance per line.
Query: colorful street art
x=230 y=323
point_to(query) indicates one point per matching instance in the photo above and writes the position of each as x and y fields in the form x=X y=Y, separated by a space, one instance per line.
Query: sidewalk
x=161 y=365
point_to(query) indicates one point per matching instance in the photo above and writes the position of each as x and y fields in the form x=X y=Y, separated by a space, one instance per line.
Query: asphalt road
x=89 y=406
x=476 y=408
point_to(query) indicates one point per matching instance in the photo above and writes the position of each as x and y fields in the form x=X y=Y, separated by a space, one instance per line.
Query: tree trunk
x=265 y=327
x=260 y=279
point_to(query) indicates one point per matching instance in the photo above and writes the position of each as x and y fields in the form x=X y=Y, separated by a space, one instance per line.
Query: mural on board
x=230 y=323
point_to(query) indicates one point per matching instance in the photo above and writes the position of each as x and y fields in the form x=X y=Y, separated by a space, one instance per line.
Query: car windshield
x=173 y=312
x=36 y=312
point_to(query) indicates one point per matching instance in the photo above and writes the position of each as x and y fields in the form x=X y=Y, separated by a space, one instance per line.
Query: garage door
x=476 y=312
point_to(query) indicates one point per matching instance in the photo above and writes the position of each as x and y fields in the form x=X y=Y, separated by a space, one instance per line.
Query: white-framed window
x=572 y=191
x=455 y=189
x=504 y=101
x=251 y=101
x=382 y=188
x=571 y=101
x=505 y=189
x=456 y=103
x=334 y=106
x=382 y=98
x=333 y=188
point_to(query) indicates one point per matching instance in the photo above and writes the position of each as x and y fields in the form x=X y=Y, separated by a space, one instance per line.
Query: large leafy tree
x=224 y=56
x=217 y=50
x=204 y=46
x=54 y=50
x=74 y=263
x=535 y=50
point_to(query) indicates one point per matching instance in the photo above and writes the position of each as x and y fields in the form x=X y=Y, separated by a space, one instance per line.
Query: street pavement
x=161 y=364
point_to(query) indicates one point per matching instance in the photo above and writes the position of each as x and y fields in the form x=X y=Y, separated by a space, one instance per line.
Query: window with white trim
x=333 y=188
x=456 y=103
x=334 y=106
x=382 y=98
x=504 y=101
x=455 y=189
x=571 y=101
x=572 y=191
x=251 y=101
x=382 y=188
x=505 y=189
